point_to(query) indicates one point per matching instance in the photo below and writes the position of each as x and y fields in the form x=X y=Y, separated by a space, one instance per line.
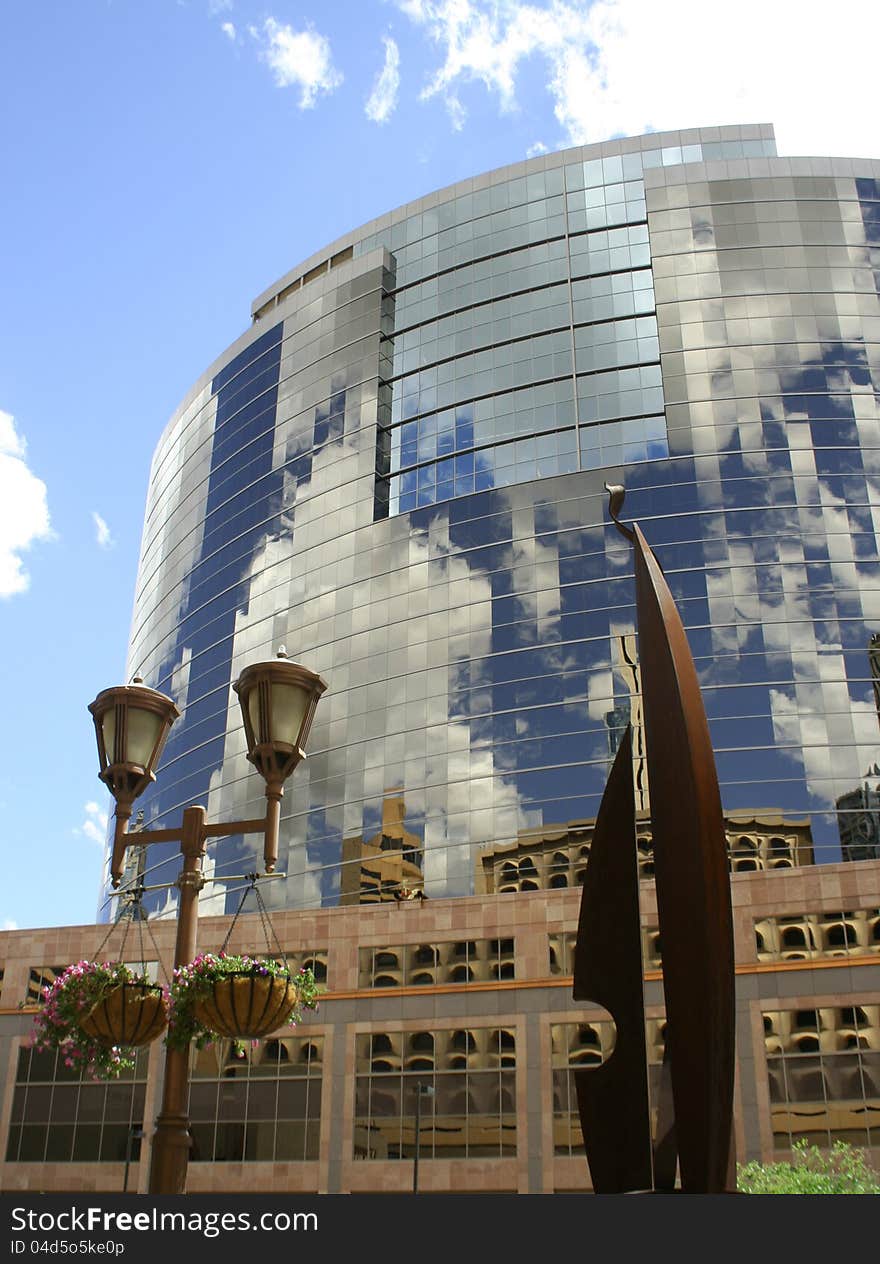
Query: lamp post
x=134 y=1134
x=422 y=1090
x=278 y=700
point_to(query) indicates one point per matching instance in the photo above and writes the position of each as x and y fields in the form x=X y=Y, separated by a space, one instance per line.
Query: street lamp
x=422 y=1090
x=278 y=701
x=135 y=1133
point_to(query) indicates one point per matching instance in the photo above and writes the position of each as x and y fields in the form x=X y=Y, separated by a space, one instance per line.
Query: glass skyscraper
x=398 y=471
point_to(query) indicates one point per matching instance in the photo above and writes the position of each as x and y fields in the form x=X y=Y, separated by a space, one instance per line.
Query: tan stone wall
x=528 y=1005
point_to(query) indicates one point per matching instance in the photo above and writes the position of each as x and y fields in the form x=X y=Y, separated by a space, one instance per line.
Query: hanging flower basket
x=131 y=1014
x=246 y=1005
x=236 y=996
x=84 y=991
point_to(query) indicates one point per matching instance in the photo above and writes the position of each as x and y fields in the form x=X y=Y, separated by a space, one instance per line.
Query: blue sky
x=163 y=161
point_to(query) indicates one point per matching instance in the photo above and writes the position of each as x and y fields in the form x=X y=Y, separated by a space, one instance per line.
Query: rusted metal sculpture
x=694 y=913
x=613 y=1097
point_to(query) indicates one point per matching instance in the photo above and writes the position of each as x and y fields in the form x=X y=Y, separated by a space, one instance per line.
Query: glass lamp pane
x=144 y=728
x=289 y=704
x=253 y=707
x=108 y=726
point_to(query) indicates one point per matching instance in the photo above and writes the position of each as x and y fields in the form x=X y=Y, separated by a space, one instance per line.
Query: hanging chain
x=267 y=927
x=117 y=919
x=134 y=906
x=265 y=920
x=137 y=910
x=252 y=882
x=145 y=921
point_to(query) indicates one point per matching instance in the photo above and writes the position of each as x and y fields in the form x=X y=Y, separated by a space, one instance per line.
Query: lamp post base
x=171 y=1147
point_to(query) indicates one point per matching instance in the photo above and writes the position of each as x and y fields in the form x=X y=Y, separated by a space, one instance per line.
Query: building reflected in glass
x=398 y=473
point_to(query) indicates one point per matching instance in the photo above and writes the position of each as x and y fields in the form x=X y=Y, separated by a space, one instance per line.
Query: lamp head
x=278 y=699
x=131 y=725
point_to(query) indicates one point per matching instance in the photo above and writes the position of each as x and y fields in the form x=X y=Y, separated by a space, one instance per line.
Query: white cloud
x=9 y=924
x=228 y=29
x=299 y=57
x=383 y=99
x=103 y=538
x=94 y=827
x=219 y=6
x=535 y=150
x=628 y=66
x=24 y=511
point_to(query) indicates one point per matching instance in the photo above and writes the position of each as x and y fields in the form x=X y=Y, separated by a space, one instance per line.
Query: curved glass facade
x=398 y=474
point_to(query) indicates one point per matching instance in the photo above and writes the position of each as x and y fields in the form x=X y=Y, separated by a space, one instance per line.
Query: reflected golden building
x=555 y=857
x=387 y=866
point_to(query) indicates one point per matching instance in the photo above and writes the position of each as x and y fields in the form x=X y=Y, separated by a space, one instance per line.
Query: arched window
x=318 y=969
x=503 y=1039
x=587 y=1035
x=794 y=937
x=463 y=1040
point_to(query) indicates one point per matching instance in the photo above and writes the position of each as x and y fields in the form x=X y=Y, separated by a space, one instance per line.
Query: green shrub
x=842 y=1170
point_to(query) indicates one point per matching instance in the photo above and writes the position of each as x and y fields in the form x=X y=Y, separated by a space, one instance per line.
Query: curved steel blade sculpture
x=613 y=1097
x=693 y=887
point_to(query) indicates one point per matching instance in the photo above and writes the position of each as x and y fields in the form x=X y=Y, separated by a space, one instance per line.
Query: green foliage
x=72 y=997
x=196 y=981
x=842 y=1170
